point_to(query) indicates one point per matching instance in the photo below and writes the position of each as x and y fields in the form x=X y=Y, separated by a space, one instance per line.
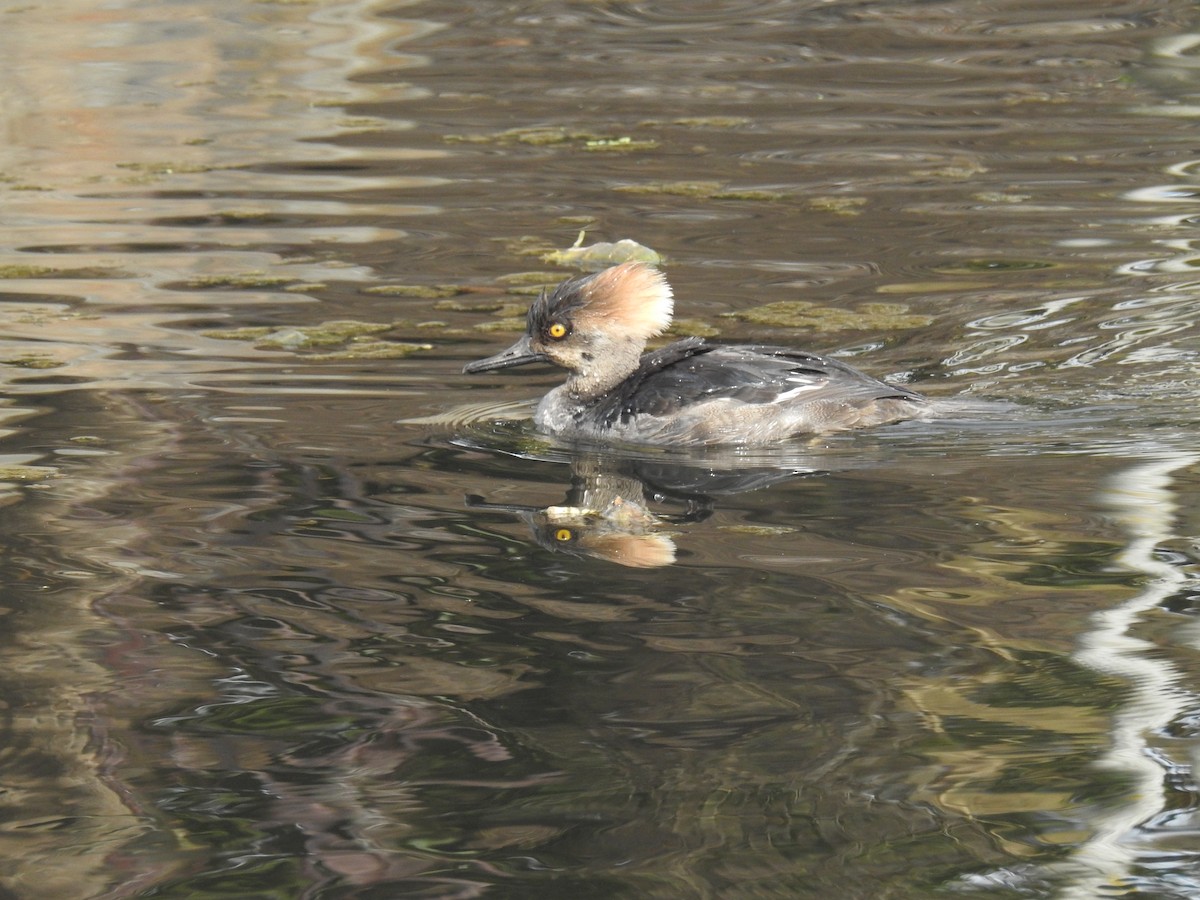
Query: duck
x=689 y=393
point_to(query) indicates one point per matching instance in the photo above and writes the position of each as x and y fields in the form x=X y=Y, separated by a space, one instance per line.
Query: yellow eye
x=557 y=330
x=563 y=534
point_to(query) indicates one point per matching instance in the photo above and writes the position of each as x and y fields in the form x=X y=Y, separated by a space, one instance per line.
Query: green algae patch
x=759 y=530
x=711 y=122
x=603 y=254
x=515 y=323
x=525 y=245
x=360 y=122
x=419 y=291
x=166 y=168
x=930 y=287
x=841 y=206
x=45 y=317
x=243 y=216
x=340 y=339
x=551 y=136
x=502 y=307
x=324 y=335
x=693 y=328
x=961 y=169
x=802 y=314
x=528 y=283
x=150 y=172
x=751 y=194
x=620 y=145
x=27 y=474
x=246 y=281
x=252 y=333
x=367 y=349
x=533 y=290
x=537 y=136
x=674 y=188
x=704 y=190
x=20 y=270
x=1000 y=197
x=32 y=361
x=527 y=277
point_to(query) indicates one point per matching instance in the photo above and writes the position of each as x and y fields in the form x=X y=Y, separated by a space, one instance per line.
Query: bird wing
x=693 y=371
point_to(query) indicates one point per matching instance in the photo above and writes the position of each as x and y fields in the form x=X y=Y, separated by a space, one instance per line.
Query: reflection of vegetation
x=1051 y=680
x=267 y=715
x=258 y=876
x=1077 y=563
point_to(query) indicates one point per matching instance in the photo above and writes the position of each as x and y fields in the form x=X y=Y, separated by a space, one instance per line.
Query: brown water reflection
x=287 y=614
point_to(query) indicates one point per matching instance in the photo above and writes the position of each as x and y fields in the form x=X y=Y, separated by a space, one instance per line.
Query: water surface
x=289 y=611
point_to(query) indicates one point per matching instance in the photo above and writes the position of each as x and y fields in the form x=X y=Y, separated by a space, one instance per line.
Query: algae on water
x=365 y=349
x=27 y=474
x=693 y=328
x=602 y=254
x=427 y=291
x=803 y=314
x=838 y=205
x=705 y=190
x=337 y=339
x=32 y=361
x=551 y=136
x=245 y=281
x=20 y=270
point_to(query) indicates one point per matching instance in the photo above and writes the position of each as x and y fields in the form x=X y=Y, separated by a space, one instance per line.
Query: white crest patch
x=632 y=295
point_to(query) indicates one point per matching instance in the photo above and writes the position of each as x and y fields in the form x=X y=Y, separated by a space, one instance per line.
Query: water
x=289 y=611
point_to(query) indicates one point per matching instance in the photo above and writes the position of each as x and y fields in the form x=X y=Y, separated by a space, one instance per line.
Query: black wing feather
x=692 y=371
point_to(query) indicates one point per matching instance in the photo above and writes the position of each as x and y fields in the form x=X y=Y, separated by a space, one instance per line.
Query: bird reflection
x=607 y=512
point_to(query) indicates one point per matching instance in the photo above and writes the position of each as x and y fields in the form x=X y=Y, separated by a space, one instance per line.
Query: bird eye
x=563 y=534
x=557 y=330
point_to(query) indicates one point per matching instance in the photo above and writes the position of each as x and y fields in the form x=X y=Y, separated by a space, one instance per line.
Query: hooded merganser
x=691 y=392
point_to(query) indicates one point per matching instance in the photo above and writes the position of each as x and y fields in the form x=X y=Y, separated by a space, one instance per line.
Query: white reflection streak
x=1141 y=498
